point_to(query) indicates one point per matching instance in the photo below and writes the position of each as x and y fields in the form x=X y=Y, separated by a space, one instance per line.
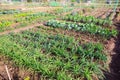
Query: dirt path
x=114 y=65
x=20 y=29
x=105 y=14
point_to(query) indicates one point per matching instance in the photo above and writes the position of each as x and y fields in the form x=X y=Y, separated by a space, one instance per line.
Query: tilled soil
x=114 y=65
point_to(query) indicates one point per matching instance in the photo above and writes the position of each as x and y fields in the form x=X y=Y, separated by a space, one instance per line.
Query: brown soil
x=40 y=9
x=114 y=47
x=88 y=13
x=117 y=17
x=101 y=12
x=74 y=10
x=25 y=8
x=98 y=12
x=105 y=14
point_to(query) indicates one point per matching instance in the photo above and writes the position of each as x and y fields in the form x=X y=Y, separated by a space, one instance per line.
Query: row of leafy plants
x=88 y=19
x=56 y=57
x=31 y=17
x=83 y=27
x=9 y=11
x=24 y=14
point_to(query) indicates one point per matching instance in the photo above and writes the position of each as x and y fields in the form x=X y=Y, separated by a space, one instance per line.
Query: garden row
x=32 y=17
x=88 y=19
x=9 y=11
x=82 y=27
x=54 y=56
x=24 y=18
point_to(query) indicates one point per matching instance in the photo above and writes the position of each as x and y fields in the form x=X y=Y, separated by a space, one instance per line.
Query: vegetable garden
x=70 y=43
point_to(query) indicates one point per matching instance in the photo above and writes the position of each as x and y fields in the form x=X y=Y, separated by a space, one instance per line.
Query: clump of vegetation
x=5 y=24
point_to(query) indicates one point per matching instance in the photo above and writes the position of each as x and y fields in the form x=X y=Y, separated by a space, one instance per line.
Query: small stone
x=112 y=53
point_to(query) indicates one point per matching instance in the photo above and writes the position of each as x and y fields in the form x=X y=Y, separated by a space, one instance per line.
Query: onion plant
x=54 y=56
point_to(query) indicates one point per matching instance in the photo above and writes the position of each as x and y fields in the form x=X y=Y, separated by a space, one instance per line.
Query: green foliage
x=24 y=14
x=54 y=56
x=5 y=24
x=86 y=27
x=91 y=52
x=30 y=17
x=88 y=19
x=73 y=0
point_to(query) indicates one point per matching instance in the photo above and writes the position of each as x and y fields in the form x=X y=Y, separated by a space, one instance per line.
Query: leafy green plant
x=88 y=27
x=87 y=19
